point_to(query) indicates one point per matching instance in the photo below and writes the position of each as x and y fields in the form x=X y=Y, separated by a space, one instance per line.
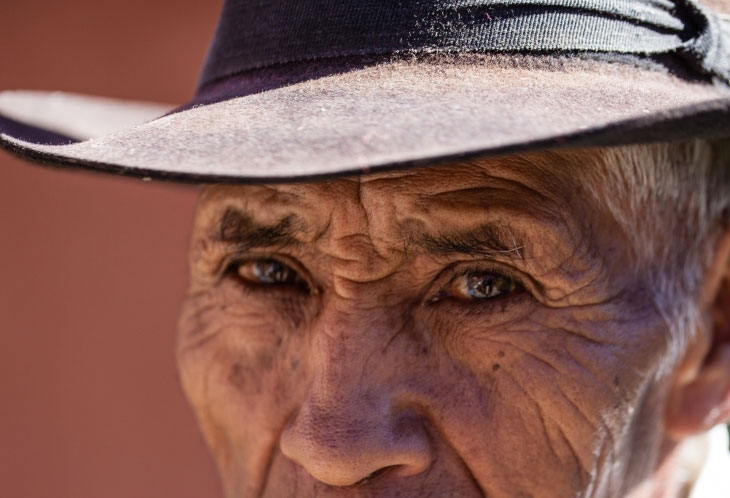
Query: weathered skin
x=376 y=378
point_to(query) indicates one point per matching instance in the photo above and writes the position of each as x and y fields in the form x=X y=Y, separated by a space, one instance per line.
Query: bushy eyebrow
x=488 y=240
x=239 y=229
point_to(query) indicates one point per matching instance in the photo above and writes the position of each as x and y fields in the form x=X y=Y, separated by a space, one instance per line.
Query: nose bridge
x=352 y=350
x=349 y=425
x=339 y=365
x=355 y=329
x=347 y=385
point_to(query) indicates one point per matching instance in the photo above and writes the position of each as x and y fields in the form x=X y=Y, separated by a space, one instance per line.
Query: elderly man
x=511 y=276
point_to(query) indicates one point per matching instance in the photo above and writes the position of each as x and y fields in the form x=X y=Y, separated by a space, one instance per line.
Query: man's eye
x=475 y=286
x=267 y=272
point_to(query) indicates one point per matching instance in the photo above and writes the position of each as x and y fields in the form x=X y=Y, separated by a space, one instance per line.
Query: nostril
x=379 y=472
x=344 y=446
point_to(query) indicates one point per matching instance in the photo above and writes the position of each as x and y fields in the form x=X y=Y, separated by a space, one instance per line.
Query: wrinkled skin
x=370 y=376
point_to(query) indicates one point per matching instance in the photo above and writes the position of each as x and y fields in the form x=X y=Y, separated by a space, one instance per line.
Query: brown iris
x=475 y=286
x=267 y=272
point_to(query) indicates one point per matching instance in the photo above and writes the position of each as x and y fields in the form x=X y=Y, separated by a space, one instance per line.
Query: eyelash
x=444 y=280
x=455 y=271
x=304 y=287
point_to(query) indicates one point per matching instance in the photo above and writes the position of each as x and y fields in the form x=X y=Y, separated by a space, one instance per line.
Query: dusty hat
x=317 y=88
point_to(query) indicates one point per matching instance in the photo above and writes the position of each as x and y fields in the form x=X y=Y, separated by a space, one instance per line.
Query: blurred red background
x=93 y=268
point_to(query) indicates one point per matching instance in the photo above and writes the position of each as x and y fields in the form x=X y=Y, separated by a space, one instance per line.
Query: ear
x=700 y=398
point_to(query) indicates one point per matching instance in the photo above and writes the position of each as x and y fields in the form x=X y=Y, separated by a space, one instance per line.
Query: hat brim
x=393 y=114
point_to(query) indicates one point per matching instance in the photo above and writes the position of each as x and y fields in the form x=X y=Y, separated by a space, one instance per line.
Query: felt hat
x=318 y=88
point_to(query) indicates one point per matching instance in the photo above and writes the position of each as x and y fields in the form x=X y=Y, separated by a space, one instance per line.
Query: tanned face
x=463 y=330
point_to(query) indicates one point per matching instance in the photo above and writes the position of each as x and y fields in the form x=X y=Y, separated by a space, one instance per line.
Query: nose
x=358 y=420
x=343 y=441
x=355 y=423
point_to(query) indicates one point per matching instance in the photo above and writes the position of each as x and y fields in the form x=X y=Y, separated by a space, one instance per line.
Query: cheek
x=238 y=363
x=558 y=392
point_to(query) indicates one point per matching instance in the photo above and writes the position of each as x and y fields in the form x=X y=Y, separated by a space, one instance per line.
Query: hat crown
x=253 y=34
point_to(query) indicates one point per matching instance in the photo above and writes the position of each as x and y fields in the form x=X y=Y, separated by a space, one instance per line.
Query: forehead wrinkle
x=334 y=219
x=505 y=220
x=369 y=207
x=488 y=211
x=548 y=174
x=493 y=192
x=530 y=188
x=540 y=241
x=362 y=257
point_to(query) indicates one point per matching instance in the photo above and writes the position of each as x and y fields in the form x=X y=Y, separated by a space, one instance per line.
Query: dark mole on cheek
x=501 y=354
x=495 y=367
x=616 y=381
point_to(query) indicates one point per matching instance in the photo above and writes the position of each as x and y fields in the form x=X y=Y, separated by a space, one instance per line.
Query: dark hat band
x=254 y=34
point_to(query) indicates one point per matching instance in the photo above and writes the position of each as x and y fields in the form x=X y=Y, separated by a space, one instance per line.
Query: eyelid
x=458 y=269
x=235 y=260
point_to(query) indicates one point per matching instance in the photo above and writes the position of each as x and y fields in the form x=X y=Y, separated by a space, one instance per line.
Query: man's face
x=463 y=330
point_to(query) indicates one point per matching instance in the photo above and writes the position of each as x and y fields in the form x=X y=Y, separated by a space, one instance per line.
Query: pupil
x=271 y=272
x=482 y=285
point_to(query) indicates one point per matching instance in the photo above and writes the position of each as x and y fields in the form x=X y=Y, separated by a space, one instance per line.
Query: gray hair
x=673 y=202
